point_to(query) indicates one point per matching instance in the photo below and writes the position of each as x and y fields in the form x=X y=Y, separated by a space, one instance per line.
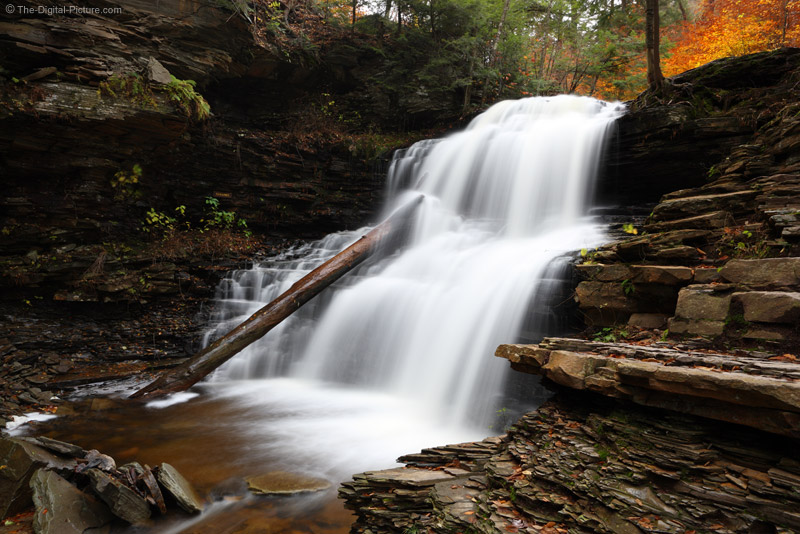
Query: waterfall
x=503 y=199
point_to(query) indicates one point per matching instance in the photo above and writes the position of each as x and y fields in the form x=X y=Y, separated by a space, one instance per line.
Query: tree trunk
x=684 y=15
x=262 y=321
x=493 y=49
x=655 y=80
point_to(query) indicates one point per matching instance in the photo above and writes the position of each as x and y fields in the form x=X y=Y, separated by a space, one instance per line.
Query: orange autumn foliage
x=734 y=28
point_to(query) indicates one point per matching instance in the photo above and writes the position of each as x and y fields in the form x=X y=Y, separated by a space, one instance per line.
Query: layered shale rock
x=639 y=439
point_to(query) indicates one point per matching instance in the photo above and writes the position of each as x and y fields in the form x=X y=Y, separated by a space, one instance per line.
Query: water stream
x=398 y=355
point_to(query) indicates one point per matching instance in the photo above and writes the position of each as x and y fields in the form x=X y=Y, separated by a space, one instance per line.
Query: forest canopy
x=491 y=49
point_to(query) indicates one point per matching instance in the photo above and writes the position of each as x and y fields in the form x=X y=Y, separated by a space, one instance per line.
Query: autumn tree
x=655 y=79
x=733 y=28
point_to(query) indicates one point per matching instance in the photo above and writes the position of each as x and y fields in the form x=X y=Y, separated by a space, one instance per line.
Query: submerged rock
x=285 y=483
x=180 y=488
x=61 y=508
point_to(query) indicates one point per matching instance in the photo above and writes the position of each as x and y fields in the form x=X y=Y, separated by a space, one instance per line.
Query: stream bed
x=238 y=429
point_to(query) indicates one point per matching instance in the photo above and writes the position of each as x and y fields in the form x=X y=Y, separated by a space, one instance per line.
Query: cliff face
x=679 y=141
x=86 y=98
x=67 y=127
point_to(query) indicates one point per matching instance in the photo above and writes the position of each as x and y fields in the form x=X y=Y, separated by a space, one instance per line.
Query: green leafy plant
x=138 y=90
x=219 y=218
x=588 y=256
x=125 y=183
x=628 y=288
x=609 y=334
x=629 y=228
x=159 y=222
x=742 y=243
x=183 y=94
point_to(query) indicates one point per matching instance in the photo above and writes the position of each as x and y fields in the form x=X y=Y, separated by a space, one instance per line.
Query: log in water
x=257 y=325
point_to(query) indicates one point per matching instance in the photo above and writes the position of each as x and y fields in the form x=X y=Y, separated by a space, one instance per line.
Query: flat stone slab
x=285 y=483
x=770 y=306
x=180 y=488
x=765 y=273
x=710 y=385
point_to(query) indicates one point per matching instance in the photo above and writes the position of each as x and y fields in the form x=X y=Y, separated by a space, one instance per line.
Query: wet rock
x=231 y=488
x=767 y=396
x=123 y=501
x=763 y=273
x=285 y=483
x=61 y=508
x=680 y=208
x=59 y=447
x=97 y=460
x=648 y=320
x=770 y=306
x=716 y=219
x=702 y=309
x=605 y=303
x=180 y=488
x=20 y=459
x=581 y=463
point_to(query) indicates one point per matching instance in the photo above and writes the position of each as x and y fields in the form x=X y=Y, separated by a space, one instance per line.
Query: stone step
x=757 y=392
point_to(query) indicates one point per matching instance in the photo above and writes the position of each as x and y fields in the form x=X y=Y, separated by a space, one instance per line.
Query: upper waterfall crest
x=526 y=164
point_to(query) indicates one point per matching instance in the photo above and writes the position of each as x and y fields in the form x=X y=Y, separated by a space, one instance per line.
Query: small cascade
x=504 y=199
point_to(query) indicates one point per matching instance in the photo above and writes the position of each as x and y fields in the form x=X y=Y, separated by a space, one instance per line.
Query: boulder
x=285 y=483
x=156 y=72
x=123 y=501
x=180 y=488
x=768 y=273
x=704 y=302
x=770 y=306
x=61 y=508
x=20 y=459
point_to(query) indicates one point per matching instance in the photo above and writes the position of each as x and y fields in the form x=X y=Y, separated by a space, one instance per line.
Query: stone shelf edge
x=688 y=382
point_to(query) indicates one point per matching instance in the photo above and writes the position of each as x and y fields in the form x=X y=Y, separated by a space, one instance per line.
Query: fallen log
x=257 y=325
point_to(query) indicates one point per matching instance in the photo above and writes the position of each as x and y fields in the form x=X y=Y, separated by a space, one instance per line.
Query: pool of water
x=237 y=429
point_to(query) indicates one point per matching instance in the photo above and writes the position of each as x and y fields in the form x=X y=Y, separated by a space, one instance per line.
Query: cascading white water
x=502 y=200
